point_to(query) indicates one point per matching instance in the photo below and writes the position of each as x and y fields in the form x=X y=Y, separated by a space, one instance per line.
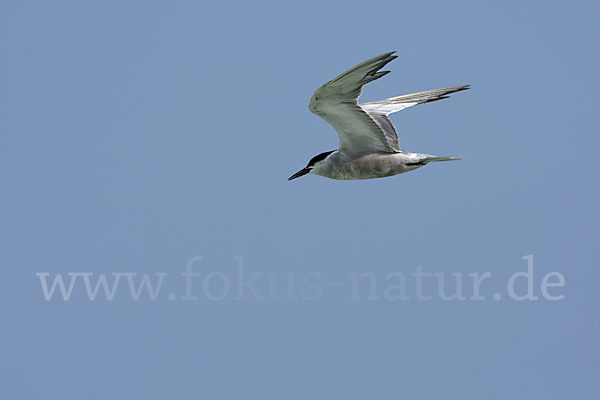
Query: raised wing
x=379 y=110
x=337 y=103
x=391 y=105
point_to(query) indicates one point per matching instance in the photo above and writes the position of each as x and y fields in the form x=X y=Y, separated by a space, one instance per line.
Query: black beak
x=298 y=174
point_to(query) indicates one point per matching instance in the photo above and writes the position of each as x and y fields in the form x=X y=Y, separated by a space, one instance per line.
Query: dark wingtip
x=459 y=88
x=391 y=55
x=446 y=92
x=387 y=56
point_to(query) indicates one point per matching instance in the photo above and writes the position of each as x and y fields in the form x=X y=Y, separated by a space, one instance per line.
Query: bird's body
x=372 y=165
x=369 y=146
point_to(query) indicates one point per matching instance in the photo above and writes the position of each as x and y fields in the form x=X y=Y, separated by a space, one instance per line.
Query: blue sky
x=136 y=136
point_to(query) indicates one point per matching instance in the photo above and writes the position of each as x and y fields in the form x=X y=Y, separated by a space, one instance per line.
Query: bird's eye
x=316 y=98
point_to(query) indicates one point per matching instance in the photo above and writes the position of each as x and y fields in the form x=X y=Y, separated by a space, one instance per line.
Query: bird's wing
x=336 y=102
x=391 y=105
x=386 y=126
x=379 y=110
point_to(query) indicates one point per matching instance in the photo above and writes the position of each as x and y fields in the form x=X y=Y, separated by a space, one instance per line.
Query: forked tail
x=427 y=160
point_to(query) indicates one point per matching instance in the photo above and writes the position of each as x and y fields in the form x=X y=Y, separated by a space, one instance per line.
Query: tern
x=369 y=146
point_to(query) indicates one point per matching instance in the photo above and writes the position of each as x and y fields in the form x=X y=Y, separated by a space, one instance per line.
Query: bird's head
x=313 y=165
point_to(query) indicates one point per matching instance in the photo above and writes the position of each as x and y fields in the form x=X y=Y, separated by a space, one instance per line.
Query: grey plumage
x=379 y=110
x=369 y=146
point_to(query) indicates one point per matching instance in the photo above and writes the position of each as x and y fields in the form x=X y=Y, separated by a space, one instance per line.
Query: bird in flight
x=369 y=146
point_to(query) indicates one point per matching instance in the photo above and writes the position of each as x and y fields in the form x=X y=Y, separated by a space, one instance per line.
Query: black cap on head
x=310 y=165
x=317 y=158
